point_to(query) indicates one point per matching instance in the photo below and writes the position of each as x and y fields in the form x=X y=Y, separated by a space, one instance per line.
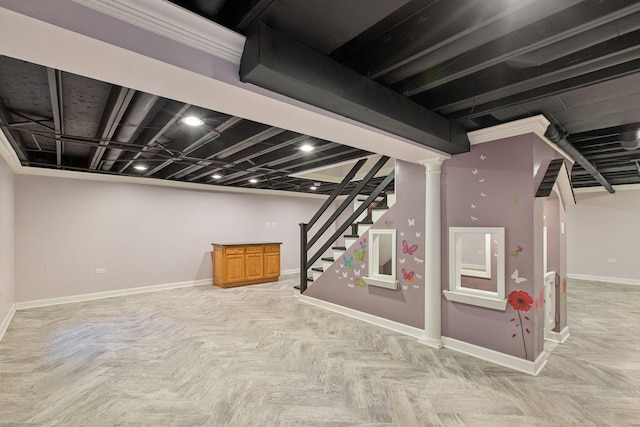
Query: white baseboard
x=502 y=359
x=289 y=272
x=7 y=320
x=559 y=337
x=366 y=317
x=615 y=280
x=109 y=294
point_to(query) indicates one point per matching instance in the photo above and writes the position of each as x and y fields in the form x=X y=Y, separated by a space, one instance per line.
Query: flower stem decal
x=521 y=301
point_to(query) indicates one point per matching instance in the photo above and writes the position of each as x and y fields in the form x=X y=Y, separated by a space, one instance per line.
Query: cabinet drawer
x=255 y=248
x=271 y=248
x=234 y=250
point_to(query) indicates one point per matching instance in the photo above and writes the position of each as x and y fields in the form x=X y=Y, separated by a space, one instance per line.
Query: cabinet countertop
x=245 y=243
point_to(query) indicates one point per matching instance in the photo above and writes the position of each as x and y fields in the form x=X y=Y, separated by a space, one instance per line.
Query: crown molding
x=178 y=24
x=537 y=125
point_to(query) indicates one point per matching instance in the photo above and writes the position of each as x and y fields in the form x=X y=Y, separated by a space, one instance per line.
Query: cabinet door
x=254 y=266
x=234 y=268
x=271 y=264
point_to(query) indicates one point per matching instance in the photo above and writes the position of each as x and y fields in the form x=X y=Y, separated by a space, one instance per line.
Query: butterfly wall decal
x=517 y=252
x=362 y=266
x=408 y=249
x=418 y=276
x=473 y=206
x=348 y=262
x=345 y=275
x=417 y=234
x=405 y=287
x=473 y=218
x=483 y=195
x=408 y=275
x=356 y=272
x=361 y=283
x=481 y=180
x=419 y=261
x=482 y=157
x=351 y=285
x=401 y=260
x=475 y=171
x=359 y=254
x=516 y=276
x=412 y=222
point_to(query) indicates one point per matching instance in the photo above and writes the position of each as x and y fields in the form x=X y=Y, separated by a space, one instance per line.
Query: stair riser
x=377 y=214
x=337 y=254
x=326 y=265
x=316 y=274
x=362 y=229
x=348 y=241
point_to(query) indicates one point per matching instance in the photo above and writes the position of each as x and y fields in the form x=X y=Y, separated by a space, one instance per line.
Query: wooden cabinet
x=241 y=264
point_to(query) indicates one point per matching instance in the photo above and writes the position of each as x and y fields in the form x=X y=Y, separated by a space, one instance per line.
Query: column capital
x=432 y=165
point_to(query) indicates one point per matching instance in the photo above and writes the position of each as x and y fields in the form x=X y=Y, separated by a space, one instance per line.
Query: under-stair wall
x=342 y=282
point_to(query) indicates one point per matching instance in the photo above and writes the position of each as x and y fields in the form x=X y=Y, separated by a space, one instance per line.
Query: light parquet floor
x=255 y=356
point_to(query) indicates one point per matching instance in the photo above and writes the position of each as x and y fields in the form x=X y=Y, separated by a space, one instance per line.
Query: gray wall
x=7 y=239
x=141 y=235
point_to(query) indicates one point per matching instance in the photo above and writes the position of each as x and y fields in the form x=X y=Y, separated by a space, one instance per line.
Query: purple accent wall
x=342 y=284
x=492 y=186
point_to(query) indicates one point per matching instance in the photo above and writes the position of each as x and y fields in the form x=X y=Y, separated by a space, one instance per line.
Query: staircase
x=366 y=212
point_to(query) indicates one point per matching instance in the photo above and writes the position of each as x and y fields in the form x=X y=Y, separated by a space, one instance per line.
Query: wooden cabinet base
x=245 y=264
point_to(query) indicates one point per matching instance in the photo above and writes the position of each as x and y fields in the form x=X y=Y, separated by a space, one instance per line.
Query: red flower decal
x=520 y=300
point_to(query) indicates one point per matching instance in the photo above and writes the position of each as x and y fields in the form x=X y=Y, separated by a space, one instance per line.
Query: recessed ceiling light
x=306 y=148
x=216 y=176
x=192 y=121
x=314 y=188
x=253 y=180
x=141 y=167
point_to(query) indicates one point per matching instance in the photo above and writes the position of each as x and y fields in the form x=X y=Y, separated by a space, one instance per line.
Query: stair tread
x=366 y=222
x=379 y=208
x=317 y=269
x=327 y=259
x=339 y=248
x=296 y=287
x=309 y=279
x=351 y=235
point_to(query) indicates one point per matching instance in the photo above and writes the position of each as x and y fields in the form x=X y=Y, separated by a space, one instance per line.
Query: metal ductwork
x=558 y=138
x=278 y=63
x=131 y=124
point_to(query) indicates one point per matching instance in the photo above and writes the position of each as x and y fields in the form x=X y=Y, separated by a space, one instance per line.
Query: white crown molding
x=365 y=317
x=110 y=294
x=7 y=321
x=7 y=152
x=599 y=189
x=502 y=359
x=537 y=125
x=171 y=21
x=613 y=280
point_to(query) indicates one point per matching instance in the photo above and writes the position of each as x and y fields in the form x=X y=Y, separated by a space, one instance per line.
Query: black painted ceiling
x=476 y=62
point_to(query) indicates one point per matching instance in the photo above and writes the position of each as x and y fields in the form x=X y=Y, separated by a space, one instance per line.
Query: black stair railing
x=306 y=243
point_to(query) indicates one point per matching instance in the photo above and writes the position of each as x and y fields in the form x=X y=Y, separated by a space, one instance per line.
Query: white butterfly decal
x=483 y=195
x=401 y=260
x=473 y=206
x=341 y=265
x=405 y=287
x=481 y=180
x=473 y=218
x=356 y=272
x=402 y=233
x=338 y=270
x=482 y=157
x=419 y=261
x=516 y=276
x=361 y=265
x=351 y=285
x=417 y=234
x=416 y=286
x=344 y=275
x=418 y=276
x=411 y=222
x=475 y=171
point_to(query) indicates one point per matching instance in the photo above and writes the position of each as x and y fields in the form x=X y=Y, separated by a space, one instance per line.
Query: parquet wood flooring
x=255 y=356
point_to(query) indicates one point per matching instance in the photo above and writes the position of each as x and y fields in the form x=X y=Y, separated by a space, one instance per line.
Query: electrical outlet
x=612 y=260
x=100 y=270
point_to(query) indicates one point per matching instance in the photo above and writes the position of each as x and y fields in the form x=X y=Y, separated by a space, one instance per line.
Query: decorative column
x=432 y=256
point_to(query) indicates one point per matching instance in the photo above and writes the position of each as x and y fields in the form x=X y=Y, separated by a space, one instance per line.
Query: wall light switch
x=100 y=270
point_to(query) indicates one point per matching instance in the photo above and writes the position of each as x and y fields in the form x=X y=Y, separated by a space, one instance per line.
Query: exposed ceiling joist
x=55 y=92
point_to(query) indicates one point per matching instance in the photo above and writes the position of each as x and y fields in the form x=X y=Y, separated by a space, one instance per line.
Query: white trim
x=7 y=321
x=289 y=272
x=613 y=280
x=478 y=300
x=502 y=359
x=559 y=337
x=173 y=22
x=599 y=189
x=537 y=125
x=109 y=294
x=8 y=153
x=365 y=317
x=89 y=176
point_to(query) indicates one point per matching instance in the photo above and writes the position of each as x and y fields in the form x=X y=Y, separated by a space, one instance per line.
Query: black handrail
x=345 y=203
x=306 y=243
x=347 y=179
x=348 y=222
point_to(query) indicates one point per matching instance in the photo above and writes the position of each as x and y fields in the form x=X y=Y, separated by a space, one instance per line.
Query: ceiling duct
x=630 y=140
x=278 y=63
x=558 y=138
